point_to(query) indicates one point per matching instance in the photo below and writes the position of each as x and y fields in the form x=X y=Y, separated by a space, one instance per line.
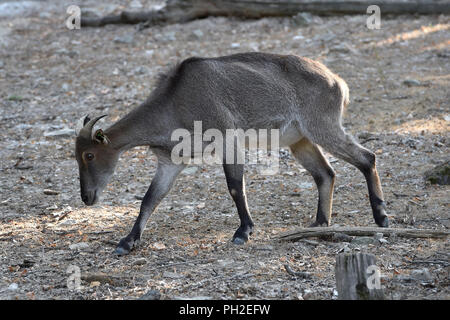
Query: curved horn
x=87 y=129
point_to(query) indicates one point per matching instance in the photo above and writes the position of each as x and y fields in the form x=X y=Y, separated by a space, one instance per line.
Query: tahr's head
x=96 y=160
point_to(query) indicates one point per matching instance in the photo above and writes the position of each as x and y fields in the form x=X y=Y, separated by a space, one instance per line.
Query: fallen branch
x=179 y=11
x=361 y=231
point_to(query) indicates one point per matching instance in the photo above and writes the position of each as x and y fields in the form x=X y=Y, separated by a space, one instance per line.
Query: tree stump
x=357 y=277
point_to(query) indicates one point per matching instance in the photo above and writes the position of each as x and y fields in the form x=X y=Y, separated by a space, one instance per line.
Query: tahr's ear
x=100 y=137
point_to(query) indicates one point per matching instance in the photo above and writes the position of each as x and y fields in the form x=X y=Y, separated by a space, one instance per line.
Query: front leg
x=166 y=174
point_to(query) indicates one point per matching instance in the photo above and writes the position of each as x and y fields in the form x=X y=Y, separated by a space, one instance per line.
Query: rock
x=201 y=205
x=379 y=237
x=141 y=70
x=341 y=237
x=1 y=64
x=364 y=241
x=412 y=83
x=190 y=170
x=94 y=284
x=13 y=286
x=127 y=39
x=197 y=34
x=421 y=275
x=302 y=19
x=78 y=246
x=139 y=262
x=439 y=174
x=151 y=295
x=158 y=246
x=309 y=295
x=68 y=222
x=65 y=87
x=51 y=192
x=235 y=45
x=66 y=132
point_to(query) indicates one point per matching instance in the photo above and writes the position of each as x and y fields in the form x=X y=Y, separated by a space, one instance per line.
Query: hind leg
x=311 y=158
x=344 y=146
x=234 y=173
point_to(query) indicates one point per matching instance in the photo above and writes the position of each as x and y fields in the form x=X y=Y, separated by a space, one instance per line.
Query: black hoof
x=125 y=246
x=121 y=251
x=239 y=241
x=382 y=222
x=319 y=224
x=380 y=216
x=241 y=235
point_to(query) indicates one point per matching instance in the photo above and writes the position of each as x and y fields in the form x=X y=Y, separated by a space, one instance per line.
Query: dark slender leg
x=346 y=148
x=160 y=186
x=312 y=159
x=234 y=174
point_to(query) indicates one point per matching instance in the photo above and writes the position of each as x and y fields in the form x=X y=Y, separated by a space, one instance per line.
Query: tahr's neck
x=130 y=131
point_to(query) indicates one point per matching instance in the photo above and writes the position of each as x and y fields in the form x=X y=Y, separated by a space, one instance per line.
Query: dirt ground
x=51 y=76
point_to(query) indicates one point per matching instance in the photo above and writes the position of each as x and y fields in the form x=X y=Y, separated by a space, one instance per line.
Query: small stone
x=78 y=246
x=65 y=87
x=67 y=222
x=198 y=33
x=235 y=45
x=364 y=241
x=308 y=294
x=302 y=19
x=190 y=170
x=158 y=246
x=151 y=295
x=126 y=39
x=201 y=205
x=94 y=284
x=139 y=262
x=412 y=83
x=13 y=286
x=50 y=192
x=341 y=237
x=421 y=275
x=378 y=235
x=141 y=70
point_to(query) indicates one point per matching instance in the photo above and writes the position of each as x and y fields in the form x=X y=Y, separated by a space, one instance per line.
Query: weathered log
x=179 y=11
x=357 y=277
x=361 y=231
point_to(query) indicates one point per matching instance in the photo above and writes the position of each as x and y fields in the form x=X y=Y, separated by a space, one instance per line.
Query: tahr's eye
x=89 y=156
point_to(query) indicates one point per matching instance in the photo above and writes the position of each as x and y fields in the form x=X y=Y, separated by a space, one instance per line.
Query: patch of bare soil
x=51 y=76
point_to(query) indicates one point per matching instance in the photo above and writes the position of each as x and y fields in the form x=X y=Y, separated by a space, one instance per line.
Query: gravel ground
x=51 y=76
